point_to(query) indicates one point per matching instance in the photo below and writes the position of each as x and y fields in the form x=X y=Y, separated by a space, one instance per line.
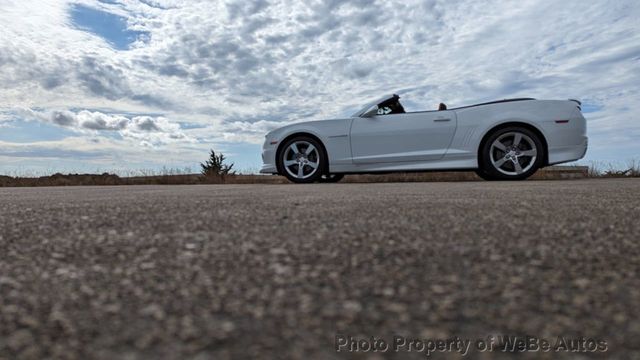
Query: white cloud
x=148 y=129
x=249 y=132
x=238 y=67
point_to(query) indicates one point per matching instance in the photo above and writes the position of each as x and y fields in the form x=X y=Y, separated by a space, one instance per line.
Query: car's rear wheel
x=512 y=153
x=302 y=160
x=331 y=178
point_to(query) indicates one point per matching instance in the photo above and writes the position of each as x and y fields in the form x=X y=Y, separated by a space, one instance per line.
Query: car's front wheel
x=302 y=160
x=512 y=153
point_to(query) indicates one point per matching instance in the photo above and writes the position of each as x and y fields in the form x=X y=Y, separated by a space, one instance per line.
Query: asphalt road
x=276 y=271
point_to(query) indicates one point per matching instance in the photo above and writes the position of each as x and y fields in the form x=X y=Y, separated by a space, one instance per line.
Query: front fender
x=333 y=134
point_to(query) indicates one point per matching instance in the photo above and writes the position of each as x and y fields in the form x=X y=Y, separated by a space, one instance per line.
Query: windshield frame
x=368 y=107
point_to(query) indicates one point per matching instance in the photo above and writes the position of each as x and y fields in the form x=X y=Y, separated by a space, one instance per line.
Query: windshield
x=386 y=105
x=391 y=106
x=370 y=105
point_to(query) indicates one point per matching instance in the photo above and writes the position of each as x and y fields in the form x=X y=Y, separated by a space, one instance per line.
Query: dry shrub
x=634 y=168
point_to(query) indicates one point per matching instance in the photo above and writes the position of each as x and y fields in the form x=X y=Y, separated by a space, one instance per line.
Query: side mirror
x=371 y=112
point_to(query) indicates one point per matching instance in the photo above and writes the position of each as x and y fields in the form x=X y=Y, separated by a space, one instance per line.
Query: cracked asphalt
x=276 y=271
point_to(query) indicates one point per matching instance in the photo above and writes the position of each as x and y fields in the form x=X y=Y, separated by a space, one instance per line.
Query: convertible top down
x=501 y=140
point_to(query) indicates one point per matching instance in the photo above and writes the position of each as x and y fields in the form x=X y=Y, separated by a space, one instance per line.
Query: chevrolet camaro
x=499 y=140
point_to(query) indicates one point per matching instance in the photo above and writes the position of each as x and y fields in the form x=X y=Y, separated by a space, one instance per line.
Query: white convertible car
x=500 y=140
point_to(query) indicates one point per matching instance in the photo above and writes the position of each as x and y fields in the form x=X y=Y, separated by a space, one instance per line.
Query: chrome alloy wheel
x=513 y=153
x=301 y=159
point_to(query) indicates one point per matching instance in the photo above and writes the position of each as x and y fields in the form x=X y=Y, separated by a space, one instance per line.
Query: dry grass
x=172 y=178
x=609 y=170
x=178 y=177
x=107 y=179
x=634 y=168
x=61 y=180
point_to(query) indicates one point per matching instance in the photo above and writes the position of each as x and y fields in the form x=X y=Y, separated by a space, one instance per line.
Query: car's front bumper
x=268 y=169
x=269 y=159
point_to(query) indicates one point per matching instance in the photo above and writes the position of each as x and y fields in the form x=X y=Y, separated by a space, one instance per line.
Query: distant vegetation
x=216 y=171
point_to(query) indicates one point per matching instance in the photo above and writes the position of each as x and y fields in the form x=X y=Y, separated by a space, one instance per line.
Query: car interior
x=393 y=106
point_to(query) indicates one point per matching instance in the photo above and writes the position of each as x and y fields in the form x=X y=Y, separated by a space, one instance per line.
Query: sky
x=128 y=86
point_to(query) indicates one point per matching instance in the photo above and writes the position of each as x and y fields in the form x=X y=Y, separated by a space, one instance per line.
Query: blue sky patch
x=189 y=125
x=245 y=157
x=21 y=131
x=111 y=27
x=590 y=108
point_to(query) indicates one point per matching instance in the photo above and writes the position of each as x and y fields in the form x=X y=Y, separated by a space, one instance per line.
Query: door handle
x=441 y=120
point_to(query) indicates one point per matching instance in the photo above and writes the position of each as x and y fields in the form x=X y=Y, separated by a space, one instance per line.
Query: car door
x=419 y=136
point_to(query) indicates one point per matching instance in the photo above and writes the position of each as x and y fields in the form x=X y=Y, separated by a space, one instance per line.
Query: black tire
x=331 y=178
x=483 y=175
x=517 y=161
x=316 y=157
